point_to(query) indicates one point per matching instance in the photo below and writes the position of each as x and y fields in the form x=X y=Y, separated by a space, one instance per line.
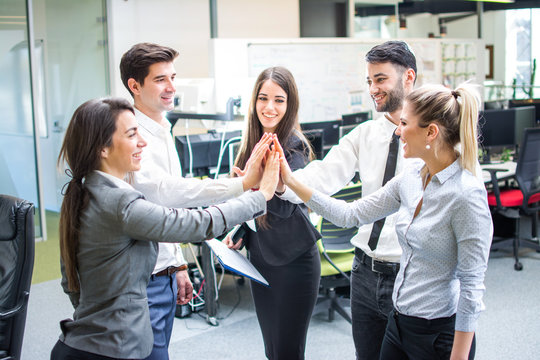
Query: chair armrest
x=495 y=183
x=20 y=305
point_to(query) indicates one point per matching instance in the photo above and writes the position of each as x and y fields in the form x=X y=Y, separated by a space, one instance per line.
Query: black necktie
x=389 y=172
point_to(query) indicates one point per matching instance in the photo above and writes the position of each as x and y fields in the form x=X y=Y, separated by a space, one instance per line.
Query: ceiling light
x=494 y=1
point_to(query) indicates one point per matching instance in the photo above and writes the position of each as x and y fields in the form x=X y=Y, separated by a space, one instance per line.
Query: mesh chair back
x=528 y=165
x=336 y=239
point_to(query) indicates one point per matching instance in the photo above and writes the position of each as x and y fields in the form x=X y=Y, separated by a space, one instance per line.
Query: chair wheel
x=518 y=266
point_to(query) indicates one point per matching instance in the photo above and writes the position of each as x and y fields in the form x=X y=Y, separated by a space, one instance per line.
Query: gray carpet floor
x=508 y=329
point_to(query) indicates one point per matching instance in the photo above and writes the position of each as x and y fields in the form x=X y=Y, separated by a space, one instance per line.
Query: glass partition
x=17 y=142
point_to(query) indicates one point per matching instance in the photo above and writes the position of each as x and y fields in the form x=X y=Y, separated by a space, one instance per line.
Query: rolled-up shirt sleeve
x=376 y=206
x=473 y=228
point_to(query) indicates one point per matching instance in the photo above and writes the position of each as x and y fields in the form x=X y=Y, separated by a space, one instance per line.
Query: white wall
x=258 y=18
x=493 y=33
x=185 y=26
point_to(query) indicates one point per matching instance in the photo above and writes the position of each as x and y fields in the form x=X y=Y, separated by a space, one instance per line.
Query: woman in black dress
x=283 y=247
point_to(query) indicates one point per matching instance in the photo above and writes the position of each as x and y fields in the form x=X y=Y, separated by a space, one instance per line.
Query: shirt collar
x=116 y=181
x=150 y=125
x=447 y=173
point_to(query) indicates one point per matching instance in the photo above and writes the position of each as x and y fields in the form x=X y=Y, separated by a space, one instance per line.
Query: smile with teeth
x=378 y=97
x=270 y=116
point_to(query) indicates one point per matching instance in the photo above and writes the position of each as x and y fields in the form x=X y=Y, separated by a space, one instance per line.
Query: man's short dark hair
x=136 y=61
x=395 y=52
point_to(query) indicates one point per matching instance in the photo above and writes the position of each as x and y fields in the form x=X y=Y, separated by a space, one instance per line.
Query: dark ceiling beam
x=439 y=7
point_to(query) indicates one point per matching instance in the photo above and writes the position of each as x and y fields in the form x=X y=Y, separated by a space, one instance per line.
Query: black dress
x=286 y=255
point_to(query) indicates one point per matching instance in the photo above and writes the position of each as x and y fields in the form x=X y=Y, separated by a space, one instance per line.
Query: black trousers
x=61 y=351
x=414 y=338
x=284 y=309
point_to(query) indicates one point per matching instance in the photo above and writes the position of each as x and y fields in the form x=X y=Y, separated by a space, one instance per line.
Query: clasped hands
x=266 y=169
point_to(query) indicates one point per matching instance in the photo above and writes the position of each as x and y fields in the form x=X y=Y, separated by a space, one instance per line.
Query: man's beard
x=394 y=99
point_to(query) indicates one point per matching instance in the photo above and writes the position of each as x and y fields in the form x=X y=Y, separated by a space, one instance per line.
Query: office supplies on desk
x=234 y=261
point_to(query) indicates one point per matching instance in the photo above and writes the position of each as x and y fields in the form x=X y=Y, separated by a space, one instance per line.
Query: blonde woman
x=444 y=226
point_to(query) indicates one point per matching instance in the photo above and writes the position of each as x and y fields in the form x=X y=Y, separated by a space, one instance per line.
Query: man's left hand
x=185 y=287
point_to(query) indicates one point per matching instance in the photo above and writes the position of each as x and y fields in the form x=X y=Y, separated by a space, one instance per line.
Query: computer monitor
x=497 y=128
x=355 y=118
x=316 y=138
x=525 y=117
x=205 y=150
x=329 y=128
x=526 y=103
x=504 y=128
x=345 y=129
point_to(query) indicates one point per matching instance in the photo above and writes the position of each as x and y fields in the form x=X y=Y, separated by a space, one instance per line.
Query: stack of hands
x=268 y=171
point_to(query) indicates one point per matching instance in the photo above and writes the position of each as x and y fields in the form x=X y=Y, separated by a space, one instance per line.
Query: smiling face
x=414 y=137
x=386 y=88
x=124 y=155
x=271 y=105
x=156 y=94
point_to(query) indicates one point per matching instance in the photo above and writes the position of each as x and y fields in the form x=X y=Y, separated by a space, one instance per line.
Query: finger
x=278 y=146
x=238 y=244
x=189 y=292
x=239 y=172
x=181 y=292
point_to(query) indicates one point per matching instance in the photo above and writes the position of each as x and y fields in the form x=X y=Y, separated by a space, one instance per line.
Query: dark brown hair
x=90 y=130
x=135 y=63
x=395 y=52
x=288 y=125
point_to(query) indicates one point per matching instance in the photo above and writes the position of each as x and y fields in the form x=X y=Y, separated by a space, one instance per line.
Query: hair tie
x=73 y=178
x=455 y=94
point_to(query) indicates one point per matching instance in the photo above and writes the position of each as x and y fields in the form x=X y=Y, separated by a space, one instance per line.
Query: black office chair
x=16 y=265
x=513 y=203
x=337 y=255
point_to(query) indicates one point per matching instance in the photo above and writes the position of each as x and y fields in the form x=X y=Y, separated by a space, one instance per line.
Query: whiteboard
x=325 y=74
x=330 y=73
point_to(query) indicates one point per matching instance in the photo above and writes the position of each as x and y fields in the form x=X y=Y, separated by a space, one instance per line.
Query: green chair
x=337 y=255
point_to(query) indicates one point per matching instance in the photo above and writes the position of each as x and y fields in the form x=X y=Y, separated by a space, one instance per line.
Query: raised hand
x=270 y=177
x=285 y=170
x=254 y=167
x=304 y=192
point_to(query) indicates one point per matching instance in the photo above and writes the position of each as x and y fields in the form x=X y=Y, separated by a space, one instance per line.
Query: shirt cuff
x=236 y=186
x=180 y=256
x=466 y=322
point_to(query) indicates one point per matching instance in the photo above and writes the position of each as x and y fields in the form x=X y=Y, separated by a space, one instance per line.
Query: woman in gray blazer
x=109 y=232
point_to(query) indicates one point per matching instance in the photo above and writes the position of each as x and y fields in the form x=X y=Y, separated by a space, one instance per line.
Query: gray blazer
x=116 y=256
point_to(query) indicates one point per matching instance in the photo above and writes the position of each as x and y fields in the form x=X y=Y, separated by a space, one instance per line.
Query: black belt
x=382 y=267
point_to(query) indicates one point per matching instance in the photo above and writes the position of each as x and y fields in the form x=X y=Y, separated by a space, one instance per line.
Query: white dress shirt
x=365 y=150
x=445 y=247
x=160 y=180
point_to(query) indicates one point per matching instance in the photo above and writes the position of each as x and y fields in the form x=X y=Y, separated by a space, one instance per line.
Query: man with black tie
x=371 y=149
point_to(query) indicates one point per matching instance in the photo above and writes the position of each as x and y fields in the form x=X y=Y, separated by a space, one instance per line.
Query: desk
x=509 y=166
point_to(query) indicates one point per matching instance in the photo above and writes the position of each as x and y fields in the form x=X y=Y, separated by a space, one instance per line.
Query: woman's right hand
x=304 y=192
x=230 y=244
x=286 y=174
x=270 y=177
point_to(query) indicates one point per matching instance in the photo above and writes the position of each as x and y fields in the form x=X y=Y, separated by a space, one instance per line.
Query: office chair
x=16 y=265
x=513 y=203
x=337 y=255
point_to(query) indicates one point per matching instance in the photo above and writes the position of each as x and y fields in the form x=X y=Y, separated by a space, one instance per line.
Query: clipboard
x=234 y=261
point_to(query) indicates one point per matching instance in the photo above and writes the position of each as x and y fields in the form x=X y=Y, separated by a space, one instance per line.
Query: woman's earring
x=428 y=146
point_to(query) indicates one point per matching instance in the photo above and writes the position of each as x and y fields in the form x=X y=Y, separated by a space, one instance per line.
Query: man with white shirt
x=391 y=74
x=148 y=72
